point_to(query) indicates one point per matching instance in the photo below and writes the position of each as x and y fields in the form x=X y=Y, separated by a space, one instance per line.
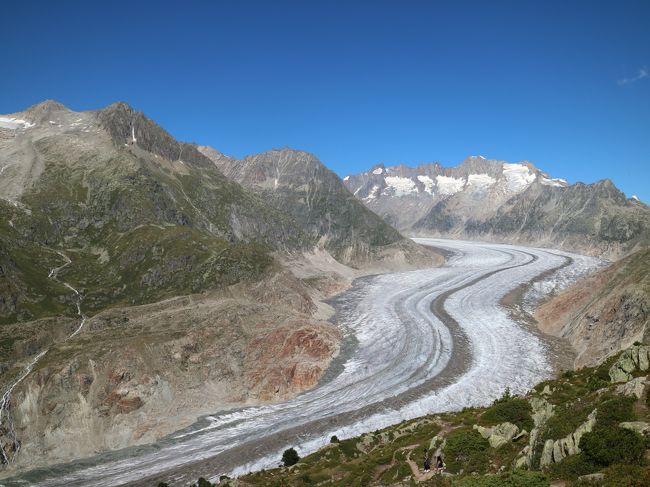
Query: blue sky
x=565 y=84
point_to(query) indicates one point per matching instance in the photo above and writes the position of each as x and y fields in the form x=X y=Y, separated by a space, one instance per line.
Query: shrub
x=627 y=476
x=334 y=439
x=514 y=410
x=518 y=478
x=612 y=445
x=466 y=450
x=290 y=457
x=572 y=467
x=614 y=411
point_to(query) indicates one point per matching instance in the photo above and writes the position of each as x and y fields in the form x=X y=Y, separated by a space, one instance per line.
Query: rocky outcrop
x=636 y=358
x=637 y=426
x=542 y=411
x=501 y=434
x=635 y=387
x=556 y=450
x=603 y=314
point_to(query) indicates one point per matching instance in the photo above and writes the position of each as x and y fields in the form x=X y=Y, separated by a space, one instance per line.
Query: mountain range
x=505 y=202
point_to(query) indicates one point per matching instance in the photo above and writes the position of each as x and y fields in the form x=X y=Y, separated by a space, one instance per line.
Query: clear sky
x=563 y=84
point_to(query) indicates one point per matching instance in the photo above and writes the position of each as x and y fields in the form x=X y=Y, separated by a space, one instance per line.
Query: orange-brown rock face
x=287 y=361
x=605 y=313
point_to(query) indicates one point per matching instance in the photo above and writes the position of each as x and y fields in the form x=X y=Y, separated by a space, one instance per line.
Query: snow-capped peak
x=14 y=123
x=379 y=170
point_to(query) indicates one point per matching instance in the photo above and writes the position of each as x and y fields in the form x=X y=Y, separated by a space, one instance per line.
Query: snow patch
x=560 y=183
x=14 y=123
x=448 y=185
x=480 y=181
x=635 y=197
x=346 y=178
x=518 y=176
x=428 y=184
x=374 y=192
x=401 y=186
x=379 y=170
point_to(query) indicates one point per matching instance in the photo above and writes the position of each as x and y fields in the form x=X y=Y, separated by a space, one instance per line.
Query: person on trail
x=440 y=465
x=427 y=464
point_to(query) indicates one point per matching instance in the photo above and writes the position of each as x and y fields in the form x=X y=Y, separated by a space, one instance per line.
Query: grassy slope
x=379 y=458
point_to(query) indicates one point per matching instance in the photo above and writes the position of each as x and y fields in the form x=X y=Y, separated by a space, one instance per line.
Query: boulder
x=498 y=435
x=547 y=453
x=592 y=478
x=633 y=359
x=638 y=426
x=634 y=387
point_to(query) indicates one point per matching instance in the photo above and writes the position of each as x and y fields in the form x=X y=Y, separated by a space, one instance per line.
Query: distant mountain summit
x=502 y=201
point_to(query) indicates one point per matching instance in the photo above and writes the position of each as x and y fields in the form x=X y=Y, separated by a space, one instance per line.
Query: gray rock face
x=542 y=412
x=635 y=387
x=499 y=435
x=633 y=359
x=637 y=426
x=499 y=201
x=556 y=450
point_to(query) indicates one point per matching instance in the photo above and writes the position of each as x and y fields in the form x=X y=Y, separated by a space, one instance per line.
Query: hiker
x=440 y=465
x=427 y=465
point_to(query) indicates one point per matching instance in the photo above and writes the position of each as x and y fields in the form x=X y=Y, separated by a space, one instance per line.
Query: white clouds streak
x=643 y=73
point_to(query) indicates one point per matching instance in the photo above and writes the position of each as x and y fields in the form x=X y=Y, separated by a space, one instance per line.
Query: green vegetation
x=290 y=457
x=515 y=410
x=610 y=445
x=466 y=451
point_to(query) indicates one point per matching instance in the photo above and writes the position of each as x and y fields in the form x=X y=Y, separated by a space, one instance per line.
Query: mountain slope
x=298 y=183
x=496 y=200
x=605 y=313
x=141 y=288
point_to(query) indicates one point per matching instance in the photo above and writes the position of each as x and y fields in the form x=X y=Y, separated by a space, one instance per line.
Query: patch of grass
x=572 y=467
x=518 y=478
x=514 y=410
x=466 y=450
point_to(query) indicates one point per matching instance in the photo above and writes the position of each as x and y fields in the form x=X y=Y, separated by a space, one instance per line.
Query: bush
x=466 y=450
x=627 y=476
x=290 y=457
x=613 y=445
x=514 y=410
x=572 y=467
x=334 y=439
x=614 y=411
x=518 y=478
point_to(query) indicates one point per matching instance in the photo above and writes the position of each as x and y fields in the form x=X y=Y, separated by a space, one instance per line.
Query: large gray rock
x=556 y=450
x=633 y=359
x=637 y=426
x=542 y=412
x=498 y=435
x=635 y=387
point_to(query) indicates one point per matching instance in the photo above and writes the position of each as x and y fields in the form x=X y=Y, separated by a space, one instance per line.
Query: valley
x=414 y=342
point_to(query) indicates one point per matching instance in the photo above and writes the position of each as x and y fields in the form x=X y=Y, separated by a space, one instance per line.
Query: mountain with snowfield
x=507 y=202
